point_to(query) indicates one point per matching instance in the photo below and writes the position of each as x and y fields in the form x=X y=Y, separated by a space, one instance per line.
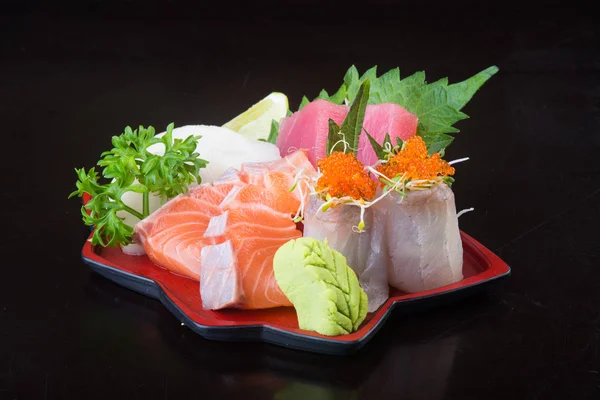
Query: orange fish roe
x=343 y=175
x=415 y=162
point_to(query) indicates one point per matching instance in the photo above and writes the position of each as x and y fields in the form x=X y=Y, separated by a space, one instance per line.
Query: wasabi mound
x=323 y=289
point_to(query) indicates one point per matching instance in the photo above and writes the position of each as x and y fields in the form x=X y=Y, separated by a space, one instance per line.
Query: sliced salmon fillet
x=238 y=271
x=210 y=196
x=173 y=236
x=292 y=173
x=290 y=165
x=226 y=234
x=275 y=195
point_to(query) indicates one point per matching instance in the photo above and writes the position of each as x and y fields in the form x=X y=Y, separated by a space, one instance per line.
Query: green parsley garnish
x=129 y=167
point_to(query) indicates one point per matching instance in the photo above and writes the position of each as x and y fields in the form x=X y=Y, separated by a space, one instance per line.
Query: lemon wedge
x=255 y=122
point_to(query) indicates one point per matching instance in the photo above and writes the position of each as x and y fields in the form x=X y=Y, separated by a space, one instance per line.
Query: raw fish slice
x=181 y=254
x=246 y=218
x=173 y=236
x=309 y=127
x=213 y=194
x=222 y=286
x=202 y=197
x=231 y=176
x=381 y=119
x=239 y=271
x=280 y=176
x=143 y=228
x=291 y=164
x=424 y=240
x=374 y=276
x=274 y=196
x=365 y=252
x=169 y=246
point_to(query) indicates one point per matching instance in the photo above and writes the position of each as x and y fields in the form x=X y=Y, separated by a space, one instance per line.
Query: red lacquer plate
x=278 y=326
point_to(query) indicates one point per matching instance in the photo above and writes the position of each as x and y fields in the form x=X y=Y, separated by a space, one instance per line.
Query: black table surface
x=72 y=78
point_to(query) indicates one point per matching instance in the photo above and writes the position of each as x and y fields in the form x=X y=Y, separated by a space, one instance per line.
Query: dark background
x=71 y=76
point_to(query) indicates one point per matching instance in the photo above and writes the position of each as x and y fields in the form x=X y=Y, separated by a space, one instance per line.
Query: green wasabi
x=324 y=290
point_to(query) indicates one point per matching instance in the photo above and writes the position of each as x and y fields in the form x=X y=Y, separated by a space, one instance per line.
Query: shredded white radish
x=459 y=160
x=466 y=210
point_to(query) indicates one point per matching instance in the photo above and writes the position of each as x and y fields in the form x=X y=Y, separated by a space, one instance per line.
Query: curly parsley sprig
x=130 y=167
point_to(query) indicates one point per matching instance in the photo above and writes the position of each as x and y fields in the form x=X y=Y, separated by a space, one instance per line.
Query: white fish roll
x=365 y=252
x=424 y=242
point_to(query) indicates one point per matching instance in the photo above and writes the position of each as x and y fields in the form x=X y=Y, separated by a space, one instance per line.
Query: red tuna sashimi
x=381 y=119
x=308 y=128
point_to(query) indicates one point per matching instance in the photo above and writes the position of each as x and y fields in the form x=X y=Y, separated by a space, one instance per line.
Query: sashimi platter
x=303 y=228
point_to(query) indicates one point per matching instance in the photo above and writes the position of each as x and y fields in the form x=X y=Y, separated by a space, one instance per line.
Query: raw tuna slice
x=424 y=242
x=365 y=252
x=238 y=271
x=308 y=128
x=381 y=119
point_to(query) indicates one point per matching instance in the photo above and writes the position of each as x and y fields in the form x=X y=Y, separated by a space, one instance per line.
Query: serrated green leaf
x=436 y=142
x=370 y=74
x=352 y=83
x=323 y=95
x=351 y=77
x=435 y=114
x=339 y=96
x=304 y=102
x=460 y=93
x=382 y=88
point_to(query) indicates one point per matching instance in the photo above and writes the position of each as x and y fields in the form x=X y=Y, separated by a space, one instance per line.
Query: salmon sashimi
x=173 y=236
x=275 y=195
x=238 y=271
x=229 y=231
x=290 y=164
x=210 y=196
